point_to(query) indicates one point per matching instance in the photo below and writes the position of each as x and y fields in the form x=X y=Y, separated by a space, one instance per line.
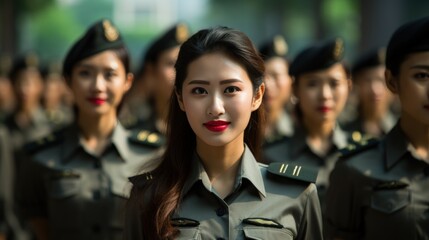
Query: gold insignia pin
x=356 y=136
x=142 y=136
x=182 y=33
x=110 y=32
x=280 y=45
x=152 y=138
x=338 y=49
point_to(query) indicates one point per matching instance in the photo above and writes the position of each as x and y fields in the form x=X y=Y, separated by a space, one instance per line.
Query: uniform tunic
x=290 y=204
x=82 y=195
x=296 y=150
x=380 y=191
x=356 y=126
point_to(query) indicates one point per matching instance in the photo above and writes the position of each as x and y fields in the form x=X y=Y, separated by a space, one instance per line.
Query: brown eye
x=199 y=91
x=231 y=89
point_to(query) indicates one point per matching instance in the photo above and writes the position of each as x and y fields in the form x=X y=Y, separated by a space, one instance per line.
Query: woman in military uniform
x=156 y=81
x=374 y=118
x=209 y=185
x=278 y=89
x=380 y=190
x=75 y=184
x=321 y=86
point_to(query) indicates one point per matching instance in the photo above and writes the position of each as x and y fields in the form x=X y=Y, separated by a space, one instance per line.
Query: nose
x=100 y=83
x=326 y=91
x=216 y=107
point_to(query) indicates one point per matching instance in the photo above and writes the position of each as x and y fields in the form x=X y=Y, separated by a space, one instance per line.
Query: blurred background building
x=50 y=26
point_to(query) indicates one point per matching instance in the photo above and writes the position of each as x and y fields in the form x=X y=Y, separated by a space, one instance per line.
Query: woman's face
x=99 y=82
x=28 y=87
x=165 y=73
x=412 y=87
x=323 y=94
x=371 y=86
x=218 y=98
x=277 y=82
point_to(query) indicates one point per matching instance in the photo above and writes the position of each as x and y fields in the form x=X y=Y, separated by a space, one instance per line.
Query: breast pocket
x=390 y=201
x=266 y=233
x=63 y=184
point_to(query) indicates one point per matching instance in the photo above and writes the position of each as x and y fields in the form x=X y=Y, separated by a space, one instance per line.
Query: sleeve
x=311 y=223
x=343 y=204
x=133 y=226
x=31 y=190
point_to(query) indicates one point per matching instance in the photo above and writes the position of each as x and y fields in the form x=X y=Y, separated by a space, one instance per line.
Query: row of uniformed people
x=328 y=79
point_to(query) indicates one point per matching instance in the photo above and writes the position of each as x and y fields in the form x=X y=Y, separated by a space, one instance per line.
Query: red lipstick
x=97 y=101
x=324 y=109
x=216 y=126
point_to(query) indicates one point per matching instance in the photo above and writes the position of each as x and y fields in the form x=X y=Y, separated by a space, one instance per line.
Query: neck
x=371 y=114
x=417 y=133
x=52 y=105
x=222 y=160
x=161 y=109
x=99 y=127
x=322 y=129
x=273 y=116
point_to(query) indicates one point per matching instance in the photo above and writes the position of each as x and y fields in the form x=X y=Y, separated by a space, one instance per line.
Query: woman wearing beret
x=75 y=184
x=380 y=190
x=374 y=118
x=278 y=89
x=156 y=77
x=321 y=86
x=208 y=184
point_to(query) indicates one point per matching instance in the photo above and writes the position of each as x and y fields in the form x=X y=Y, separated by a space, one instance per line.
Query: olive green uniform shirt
x=379 y=191
x=82 y=195
x=295 y=150
x=261 y=206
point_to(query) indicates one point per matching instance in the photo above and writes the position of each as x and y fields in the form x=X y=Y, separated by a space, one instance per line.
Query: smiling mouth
x=97 y=101
x=216 y=126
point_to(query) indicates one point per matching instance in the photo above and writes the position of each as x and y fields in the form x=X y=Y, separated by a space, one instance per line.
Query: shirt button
x=221 y=211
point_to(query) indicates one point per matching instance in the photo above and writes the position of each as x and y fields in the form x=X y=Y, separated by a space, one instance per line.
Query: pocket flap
x=64 y=184
x=265 y=233
x=389 y=201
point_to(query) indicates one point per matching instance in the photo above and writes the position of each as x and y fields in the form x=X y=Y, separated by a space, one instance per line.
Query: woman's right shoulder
x=142 y=180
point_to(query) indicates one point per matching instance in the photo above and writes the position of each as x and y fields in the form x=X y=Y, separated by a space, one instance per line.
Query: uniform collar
x=72 y=144
x=388 y=122
x=396 y=146
x=299 y=140
x=249 y=169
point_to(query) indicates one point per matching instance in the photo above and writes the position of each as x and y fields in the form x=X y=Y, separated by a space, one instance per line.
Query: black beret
x=275 y=47
x=318 y=57
x=373 y=58
x=173 y=37
x=99 y=37
x=25 y=61
x=409 y=38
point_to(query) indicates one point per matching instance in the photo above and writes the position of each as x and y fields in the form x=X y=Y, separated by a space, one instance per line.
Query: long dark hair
x=162 y=195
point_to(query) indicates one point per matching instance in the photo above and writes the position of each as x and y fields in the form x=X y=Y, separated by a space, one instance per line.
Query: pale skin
x=322 y=95
x=100 y=76
x=412 y=87
x=218 y=88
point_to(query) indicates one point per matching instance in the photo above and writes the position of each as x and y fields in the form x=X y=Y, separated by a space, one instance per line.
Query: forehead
x=106 y=58
x=335 y=71
x=416 y=59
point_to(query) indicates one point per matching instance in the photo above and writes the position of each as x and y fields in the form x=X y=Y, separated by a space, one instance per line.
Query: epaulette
x=141 y=179
x=44 y=142
x=147 y=138
x=357 y=147
x=293 y=171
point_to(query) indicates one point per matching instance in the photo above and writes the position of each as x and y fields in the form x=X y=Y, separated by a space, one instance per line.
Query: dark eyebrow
x=425 y=67
x=226 y=81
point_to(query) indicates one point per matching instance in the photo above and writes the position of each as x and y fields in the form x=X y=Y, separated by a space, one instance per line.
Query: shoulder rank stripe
x=263 y=222
x=293 y=171
x=141 y=180
x=184 y=222
x=148 y=138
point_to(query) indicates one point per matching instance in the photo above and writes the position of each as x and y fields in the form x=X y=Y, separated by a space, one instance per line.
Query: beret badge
x=182 y=33
x=338 y=49
x=110 y=32
x=280 y=45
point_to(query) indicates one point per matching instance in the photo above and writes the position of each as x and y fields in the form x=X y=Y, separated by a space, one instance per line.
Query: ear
x=128 y=81
x=180 y=100
x=350 y=84
x=391 y=81
x=257 y=99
